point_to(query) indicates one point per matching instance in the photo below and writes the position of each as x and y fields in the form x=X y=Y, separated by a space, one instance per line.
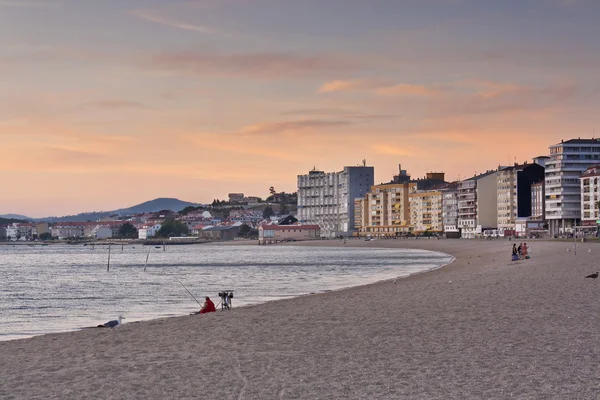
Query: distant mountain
x=15 y=216
x=157 y=205
x=147 y=207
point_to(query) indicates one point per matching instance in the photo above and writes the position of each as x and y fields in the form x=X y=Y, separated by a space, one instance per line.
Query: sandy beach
x=480 y=328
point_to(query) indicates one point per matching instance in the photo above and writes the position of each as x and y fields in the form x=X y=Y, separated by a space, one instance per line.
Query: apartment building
x=568 y=161
x=327 y=199
x=538 y=205
x=514 y=190
x=590 y=196
x=450 y=209
x=385 y=210
x=477 y=204
x=426 y=211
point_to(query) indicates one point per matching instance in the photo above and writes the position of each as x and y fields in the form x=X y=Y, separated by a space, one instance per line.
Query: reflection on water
x=60 y=288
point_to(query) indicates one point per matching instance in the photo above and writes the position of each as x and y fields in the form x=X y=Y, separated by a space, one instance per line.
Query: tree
x=272 y=191
x=244 y=230
x=283 y=208
x=46 y=236
x=172 y=228
x=128 y=231
x=268 y=213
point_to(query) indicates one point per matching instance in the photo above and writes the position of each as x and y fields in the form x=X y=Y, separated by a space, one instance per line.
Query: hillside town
x=555 y=195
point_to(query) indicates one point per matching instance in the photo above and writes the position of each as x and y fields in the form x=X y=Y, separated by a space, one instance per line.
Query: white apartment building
x=478 y=204
x=450 y=210
x=148 y=231
x=17 y=232
x=327 y=199
x=590 y=196
x=568 y=160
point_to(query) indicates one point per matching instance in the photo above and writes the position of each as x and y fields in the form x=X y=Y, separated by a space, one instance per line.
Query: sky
x=107 y=104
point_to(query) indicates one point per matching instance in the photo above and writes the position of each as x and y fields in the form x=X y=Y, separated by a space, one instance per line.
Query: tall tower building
x=327 y=199
x=568 y=160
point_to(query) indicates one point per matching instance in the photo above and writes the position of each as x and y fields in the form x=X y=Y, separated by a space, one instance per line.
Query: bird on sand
x=593 y=276
x=112 y=324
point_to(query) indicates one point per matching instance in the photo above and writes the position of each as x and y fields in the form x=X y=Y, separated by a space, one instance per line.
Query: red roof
x=286 y=227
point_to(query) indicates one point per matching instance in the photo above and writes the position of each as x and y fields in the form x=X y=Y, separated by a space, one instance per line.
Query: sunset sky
x=106 y=104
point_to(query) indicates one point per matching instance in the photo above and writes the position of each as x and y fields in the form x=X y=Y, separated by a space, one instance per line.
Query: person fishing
x=208 y=306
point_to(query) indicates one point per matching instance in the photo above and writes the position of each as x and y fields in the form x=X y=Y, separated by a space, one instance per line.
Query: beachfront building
x=590 y=196
x=538 y=205
x=426 y=211
x=514 y=187
x=20 y=232
x=477 y=204
x=327 y=199
x=568 y=160
x=66 y=230
x=385 y=210
x=450 y=210
x=220 y=232
x=272 y=233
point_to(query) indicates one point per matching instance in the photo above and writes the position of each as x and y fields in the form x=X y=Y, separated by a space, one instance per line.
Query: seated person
x=208 y=306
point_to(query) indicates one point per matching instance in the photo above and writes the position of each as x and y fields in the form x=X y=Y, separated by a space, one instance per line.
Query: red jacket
x=210 y=307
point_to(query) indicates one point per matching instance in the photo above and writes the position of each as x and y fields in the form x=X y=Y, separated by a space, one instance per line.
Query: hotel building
x=327 y=199
x=568 y=160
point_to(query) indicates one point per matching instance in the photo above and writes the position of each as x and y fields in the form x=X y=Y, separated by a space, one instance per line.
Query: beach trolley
x=226 y=298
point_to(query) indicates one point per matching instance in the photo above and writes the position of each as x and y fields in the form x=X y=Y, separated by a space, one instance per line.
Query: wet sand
x=480 y=328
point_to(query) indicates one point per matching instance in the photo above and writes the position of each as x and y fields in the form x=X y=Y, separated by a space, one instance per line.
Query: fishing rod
x=181 y=283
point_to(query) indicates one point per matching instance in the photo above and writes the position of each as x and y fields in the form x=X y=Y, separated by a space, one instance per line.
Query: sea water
x=57 y=288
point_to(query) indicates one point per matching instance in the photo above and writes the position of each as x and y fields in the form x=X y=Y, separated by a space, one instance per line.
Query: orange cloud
x=174 y=23
x=407 y=90
x=342 y=86
x=262 y=65
x=292 y=126
x=396 y=151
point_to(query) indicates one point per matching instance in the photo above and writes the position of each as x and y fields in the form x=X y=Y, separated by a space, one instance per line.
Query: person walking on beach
x=208 y=306
x=520 y=250
x=515 y=253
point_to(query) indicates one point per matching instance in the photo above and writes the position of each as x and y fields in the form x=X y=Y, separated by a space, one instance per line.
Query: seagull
x=593 y=276
x=112 y=324
x=589 y=250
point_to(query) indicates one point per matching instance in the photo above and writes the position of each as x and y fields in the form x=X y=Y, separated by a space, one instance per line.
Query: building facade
x=426 y=211
x=590 y=196
x=568 y=160
x=514 y=185
x=327 y=199
x=450 y=210
x=538 y=205
x=385 y=210
x=282 y=233
x=478 y=204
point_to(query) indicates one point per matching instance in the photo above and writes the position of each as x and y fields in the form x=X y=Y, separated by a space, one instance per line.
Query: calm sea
x=62 y=288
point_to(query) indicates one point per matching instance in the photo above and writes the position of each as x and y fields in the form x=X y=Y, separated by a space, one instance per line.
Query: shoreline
x=261 y=302
x=480 y=327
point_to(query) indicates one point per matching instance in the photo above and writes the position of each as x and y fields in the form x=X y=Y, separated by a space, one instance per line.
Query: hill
x=146 y=207
x=15 y=216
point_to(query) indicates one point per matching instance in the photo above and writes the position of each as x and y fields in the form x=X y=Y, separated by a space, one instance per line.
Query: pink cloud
x=262 y=65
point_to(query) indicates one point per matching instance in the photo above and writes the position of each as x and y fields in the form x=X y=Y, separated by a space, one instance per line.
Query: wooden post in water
x=147 y=255
x=108 y=264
